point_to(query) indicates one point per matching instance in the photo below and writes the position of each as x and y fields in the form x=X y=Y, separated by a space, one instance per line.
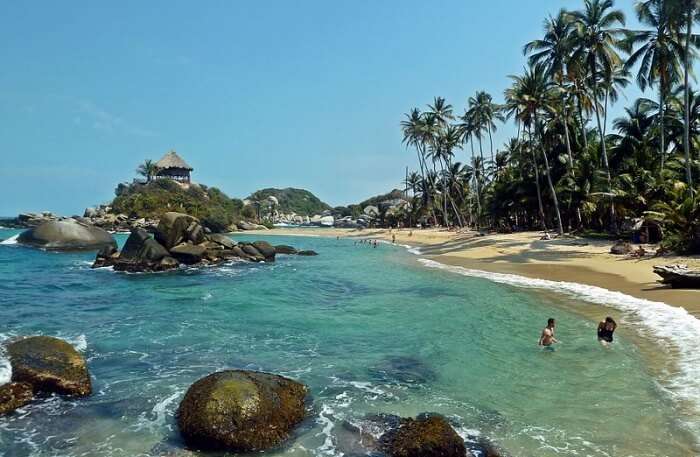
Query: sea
x=371 y=331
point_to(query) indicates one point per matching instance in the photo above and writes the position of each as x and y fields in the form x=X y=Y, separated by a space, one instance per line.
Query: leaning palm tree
x=596 y=42
x=658 y=55
x=147 y=169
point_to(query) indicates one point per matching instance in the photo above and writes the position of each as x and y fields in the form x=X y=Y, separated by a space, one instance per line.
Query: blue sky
x=252 y=94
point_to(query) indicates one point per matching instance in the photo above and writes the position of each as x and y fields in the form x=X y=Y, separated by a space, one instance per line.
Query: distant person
x=393 y=238
x=547 y=338
x=606 y=329
x=374 y=245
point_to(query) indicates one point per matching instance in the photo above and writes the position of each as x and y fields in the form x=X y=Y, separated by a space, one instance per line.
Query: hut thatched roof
x=172 y=160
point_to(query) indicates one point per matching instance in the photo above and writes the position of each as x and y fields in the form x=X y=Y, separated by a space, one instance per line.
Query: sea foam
x=671 y=325
x=11 y=240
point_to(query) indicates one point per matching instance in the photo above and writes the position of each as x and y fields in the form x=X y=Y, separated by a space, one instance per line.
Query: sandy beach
x=579 y=260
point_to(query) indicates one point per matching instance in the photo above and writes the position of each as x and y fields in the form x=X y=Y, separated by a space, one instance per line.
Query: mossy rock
x=240 y=411
x=50 y=365
x=428 y=435
x=14 y=395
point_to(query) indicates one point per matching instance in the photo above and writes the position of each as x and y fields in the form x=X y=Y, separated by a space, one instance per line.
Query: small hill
x=214 y=208
x=291 y=200
x=374 y=201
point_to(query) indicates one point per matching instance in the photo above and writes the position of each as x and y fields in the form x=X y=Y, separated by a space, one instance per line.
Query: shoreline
x=577 y=260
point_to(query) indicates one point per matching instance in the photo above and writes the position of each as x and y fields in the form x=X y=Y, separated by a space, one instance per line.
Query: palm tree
x=659 y=56
x=147 y=169
x=596 y=42
x=536 y=90
x=553 y=51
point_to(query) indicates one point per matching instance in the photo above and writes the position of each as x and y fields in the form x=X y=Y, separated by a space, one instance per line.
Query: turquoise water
x=369 y=330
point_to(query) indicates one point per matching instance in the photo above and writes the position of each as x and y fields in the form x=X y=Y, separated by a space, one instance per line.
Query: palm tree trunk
x=537 y=180
x=662 y=133
x=583 y=126
x=560 y=227
x=491 y=142
x=604 y=147
x=686 y=124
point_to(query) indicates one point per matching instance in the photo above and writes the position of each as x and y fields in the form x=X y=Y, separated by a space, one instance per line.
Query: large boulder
x=49 y=365
x=307 y=253
x=188 y=253
x=252 y=252
x=428 y=435
x=14 y=395
x=284 y=249
x=66 y=235
x=223 y=240
x=240 y=411
x=134 y=243
x=243 y=225
x=174 y=228
x=266 y=249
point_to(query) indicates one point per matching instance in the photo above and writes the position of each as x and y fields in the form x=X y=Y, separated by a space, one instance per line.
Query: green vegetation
x=565 y=168
x=214 y=208
x=299 y=201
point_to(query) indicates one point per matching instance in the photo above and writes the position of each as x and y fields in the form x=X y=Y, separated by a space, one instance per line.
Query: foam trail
x=657 y=318
x=5 y=367
x=11 y=240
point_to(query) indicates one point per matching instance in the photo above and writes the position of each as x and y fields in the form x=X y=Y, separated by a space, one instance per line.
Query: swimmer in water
x=606 y=329
x=547 y=338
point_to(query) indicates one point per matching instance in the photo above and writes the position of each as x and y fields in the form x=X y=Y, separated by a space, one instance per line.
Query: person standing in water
x=393 y=238
x=547 y=338
x=606 y=329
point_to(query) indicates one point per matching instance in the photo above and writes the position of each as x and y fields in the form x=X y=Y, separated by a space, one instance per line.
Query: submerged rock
x=49 y=365
x=240 y=411
x=403 y=370
x=14 y=395
x=307 y=253
x=428 y=435
x=67 y=235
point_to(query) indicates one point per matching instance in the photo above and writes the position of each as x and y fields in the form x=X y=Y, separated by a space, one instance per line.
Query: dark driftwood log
x=678 y=276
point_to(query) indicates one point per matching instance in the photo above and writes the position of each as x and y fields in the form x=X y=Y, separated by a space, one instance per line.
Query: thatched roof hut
x=174 y=167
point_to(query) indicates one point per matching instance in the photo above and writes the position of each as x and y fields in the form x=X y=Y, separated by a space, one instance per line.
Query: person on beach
x=393 y=238
x=606 y=329
x=547 y=338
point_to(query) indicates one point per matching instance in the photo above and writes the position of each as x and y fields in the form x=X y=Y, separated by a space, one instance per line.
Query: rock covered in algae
x=241 y=411
x=49 y=365
x=14 y=395
x=428 y=435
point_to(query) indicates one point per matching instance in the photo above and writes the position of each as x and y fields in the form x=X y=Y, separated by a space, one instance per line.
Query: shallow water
x=369 y=330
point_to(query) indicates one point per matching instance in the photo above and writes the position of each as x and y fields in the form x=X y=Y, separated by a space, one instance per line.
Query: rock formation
x=240 y=411
x=67 y=235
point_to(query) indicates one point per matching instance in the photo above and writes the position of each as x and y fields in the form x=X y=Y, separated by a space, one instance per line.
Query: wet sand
x=579 y=260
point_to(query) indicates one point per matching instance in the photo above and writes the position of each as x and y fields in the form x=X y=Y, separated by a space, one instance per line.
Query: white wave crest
x=5 y=367
x=11 y=240
x=656 y=317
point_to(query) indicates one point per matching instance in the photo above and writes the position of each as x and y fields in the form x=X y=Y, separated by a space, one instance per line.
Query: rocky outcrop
x=240 y=411
x=189 y=254
x=678 y=276
x=49 y=365
x=428 y=435
x=66 y=235
x=621 y=248
x=243 y=225
x=176 y=228
x=141 y=253
x=14 y=395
